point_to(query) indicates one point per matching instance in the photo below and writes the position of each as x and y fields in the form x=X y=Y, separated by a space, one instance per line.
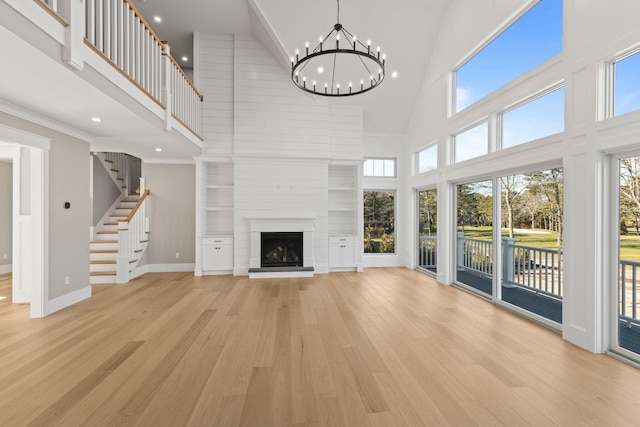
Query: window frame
x=453 y=139
x=607 y=82
x=395 y=220
x=395 y=167
x=417 y=158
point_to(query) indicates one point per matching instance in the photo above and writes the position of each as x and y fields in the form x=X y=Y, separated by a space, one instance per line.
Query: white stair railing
x=119 y=164
x=132 y=238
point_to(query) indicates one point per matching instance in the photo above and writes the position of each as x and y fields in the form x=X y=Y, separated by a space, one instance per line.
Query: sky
x=530 y=41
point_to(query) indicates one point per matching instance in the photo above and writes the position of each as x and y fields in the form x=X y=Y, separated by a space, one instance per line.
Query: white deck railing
x=628 y=291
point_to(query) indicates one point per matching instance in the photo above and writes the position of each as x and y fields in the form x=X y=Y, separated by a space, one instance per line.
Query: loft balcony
x=67 y=61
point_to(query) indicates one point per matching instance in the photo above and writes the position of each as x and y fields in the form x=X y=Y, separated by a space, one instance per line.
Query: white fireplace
x=257 y=226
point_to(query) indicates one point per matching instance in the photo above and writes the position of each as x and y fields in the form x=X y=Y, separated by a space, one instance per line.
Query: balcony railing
x=628 y=291
x=427 y=252
x=533 y=268
x=117 y=31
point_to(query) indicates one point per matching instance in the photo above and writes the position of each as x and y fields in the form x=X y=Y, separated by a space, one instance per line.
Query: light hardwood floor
x=387 y=347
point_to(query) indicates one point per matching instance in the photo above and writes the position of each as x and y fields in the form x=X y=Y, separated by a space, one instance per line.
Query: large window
x=626 y=92
x=543 y=116
x=427 y=159
x=380 y=168
x=472 y=143
x=379 y=222
x=530 y=41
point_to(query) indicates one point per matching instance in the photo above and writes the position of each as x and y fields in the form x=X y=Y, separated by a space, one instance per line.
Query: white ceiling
x=405 y=29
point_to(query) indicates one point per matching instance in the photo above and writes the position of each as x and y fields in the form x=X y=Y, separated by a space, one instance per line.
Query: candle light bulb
x=306 y=44
x=337 y=36
x=368 y=42
x=350 y=84
x=384 y=56
x=297 y=52
x=321 y=39
x=362 y=81
x=378 y=49
x=338 y=85
x=354 y=37
x=292 y=60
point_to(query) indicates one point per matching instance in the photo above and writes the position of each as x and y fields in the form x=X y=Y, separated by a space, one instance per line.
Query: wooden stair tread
x=109 y=161
x=110 y=223
x=107 y=232
x=104 y=241
x=104 y=251
x=138 y=251
x=102 y=273
x=132 y=261
x=144 y=241
x=106 y=261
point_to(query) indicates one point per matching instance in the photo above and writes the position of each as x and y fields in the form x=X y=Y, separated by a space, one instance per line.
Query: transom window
x=528 y=42
x=380 y=168
x=472 y=143
x=427 y=159
x=534 y=119
x=626 y=87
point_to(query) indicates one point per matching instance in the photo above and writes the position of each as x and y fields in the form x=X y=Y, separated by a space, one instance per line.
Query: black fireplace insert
x=281 y=249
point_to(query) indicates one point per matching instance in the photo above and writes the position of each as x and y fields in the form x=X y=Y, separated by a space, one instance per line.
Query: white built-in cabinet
x=217 y=254
x=216 y=217
x=343 y=216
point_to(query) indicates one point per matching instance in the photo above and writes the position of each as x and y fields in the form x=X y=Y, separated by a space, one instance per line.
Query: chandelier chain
x=338 y=16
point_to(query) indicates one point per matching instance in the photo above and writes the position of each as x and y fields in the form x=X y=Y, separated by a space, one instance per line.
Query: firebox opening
x=281 y=249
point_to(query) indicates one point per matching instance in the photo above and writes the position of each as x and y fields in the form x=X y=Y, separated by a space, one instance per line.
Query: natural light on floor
x=1 y=297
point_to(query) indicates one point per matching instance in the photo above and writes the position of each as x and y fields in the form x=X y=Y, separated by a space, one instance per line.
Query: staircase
x=120 y=240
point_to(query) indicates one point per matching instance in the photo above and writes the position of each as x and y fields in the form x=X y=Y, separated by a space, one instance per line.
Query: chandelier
x=338 y=59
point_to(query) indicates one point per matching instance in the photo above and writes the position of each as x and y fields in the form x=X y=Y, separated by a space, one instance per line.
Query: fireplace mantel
x=299 y=223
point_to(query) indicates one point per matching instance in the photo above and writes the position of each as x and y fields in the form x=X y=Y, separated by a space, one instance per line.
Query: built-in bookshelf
x=218 y=198
x=343 y=199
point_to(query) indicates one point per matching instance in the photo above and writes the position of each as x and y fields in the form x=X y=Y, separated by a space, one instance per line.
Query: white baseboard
x=4 y=269
x=66 y=300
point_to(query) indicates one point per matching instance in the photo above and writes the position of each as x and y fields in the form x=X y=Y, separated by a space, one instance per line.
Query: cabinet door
x=348 y=255
x=225 y=257
x=335 y=259
x=209 y=257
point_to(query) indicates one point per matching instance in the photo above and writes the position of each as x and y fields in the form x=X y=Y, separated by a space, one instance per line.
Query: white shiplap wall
x=281 y=139
x=215 y=80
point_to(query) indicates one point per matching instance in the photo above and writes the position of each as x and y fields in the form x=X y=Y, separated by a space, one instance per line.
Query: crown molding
x=30 y=116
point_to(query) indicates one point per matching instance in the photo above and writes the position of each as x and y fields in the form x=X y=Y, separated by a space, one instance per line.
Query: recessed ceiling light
x=158 y=149
x=394 y=74
x=96 y=119
x=184 y=58
x=320 y=70
x=157 y=19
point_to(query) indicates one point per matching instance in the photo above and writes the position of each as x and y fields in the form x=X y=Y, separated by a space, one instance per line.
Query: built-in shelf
x=219 y=208
x=218 y=186
x=218 y=198
x=343 y=199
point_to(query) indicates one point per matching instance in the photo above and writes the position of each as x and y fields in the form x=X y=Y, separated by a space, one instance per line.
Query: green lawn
x=629 y=244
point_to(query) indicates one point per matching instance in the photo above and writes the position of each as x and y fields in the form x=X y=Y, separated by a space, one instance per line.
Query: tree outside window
x=379 y=222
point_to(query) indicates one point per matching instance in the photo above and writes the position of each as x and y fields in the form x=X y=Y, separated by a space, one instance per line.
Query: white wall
x=594 y=31
x=171 y=213
x=281 y=139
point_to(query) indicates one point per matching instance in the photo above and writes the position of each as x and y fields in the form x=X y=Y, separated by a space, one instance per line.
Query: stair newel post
x=124 y=249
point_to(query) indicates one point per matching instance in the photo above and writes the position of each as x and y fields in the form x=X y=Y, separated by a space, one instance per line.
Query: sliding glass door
x=626 y=289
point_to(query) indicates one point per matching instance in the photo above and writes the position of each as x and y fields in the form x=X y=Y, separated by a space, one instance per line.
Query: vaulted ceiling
x=405 y=29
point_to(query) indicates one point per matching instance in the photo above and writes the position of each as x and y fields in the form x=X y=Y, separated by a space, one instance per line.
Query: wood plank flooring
x=387 y=347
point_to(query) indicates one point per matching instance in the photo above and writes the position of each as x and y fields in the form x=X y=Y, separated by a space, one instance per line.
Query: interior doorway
x=29 y=156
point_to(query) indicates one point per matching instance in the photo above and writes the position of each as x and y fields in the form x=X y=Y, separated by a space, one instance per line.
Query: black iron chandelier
x=351 y=63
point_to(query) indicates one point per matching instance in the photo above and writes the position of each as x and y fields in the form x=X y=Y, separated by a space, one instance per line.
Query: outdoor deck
x=543 y=305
